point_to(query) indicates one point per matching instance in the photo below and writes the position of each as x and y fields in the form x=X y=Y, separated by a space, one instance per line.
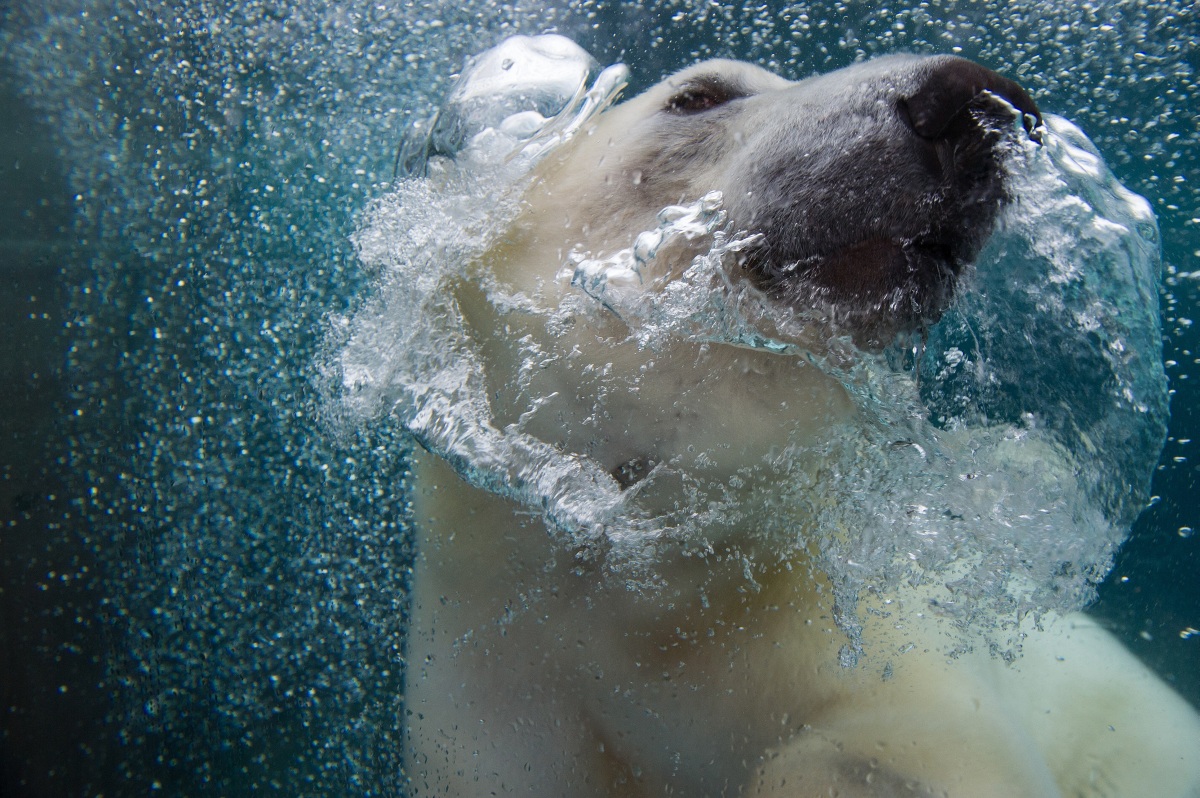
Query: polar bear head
x=870 y=187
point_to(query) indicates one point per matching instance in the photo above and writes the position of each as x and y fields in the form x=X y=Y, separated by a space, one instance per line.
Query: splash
x=976 y=469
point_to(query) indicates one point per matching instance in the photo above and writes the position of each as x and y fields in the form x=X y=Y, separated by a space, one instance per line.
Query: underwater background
x=202 y=579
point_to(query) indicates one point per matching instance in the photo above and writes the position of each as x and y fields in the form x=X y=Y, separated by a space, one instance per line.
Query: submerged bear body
x=533 y=669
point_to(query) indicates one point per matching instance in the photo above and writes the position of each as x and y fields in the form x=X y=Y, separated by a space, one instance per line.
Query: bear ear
x=701 y=93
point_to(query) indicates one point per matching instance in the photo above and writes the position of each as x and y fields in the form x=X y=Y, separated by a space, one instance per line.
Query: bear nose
x=951 y=87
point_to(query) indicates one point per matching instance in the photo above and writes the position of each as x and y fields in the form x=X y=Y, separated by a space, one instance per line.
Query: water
x=204 y=560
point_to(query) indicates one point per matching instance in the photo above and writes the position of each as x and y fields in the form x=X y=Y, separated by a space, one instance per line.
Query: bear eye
x=700 y=95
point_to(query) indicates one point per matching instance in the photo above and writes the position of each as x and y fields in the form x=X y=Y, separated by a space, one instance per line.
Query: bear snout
x=877 y=230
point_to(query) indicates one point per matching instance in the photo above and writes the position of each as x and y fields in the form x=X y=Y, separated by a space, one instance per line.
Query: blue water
x=203 y=573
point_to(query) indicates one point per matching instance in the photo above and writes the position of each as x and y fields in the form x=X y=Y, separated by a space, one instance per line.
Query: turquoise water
x=204 y=574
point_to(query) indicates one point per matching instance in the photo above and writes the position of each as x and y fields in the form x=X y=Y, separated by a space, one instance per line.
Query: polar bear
x=865 y=194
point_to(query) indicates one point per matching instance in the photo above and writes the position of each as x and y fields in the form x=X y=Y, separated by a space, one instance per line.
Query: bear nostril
x=950 y=87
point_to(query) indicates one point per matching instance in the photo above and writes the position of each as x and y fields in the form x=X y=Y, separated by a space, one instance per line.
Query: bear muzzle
x=887 y=259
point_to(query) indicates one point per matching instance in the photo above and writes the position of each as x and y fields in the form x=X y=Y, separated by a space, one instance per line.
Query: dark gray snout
x=909 y=180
